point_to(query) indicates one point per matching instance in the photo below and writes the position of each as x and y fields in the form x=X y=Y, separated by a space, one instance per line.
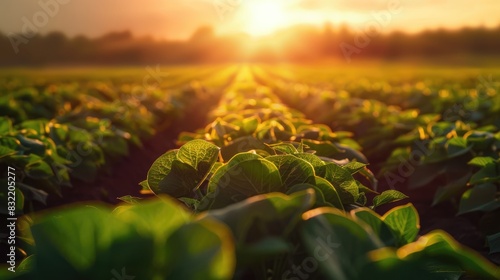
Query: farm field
x=251 y=171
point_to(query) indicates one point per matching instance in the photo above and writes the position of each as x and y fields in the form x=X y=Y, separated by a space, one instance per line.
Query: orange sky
x=177 y=19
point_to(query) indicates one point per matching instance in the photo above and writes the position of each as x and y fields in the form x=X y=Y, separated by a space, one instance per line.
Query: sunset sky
x=177 y=19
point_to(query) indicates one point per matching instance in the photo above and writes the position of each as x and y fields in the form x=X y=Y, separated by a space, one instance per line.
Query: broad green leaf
x=36 y=125
x=261 y=224
x=293 y=170
x=329 y=192
x=130 y=199
x=354 y=166
x=5 y=125
x=6 y=152
x=404 y=221
x=39 y=170
x=244 y=144
x=489 y=173
x=250 y=125
x=482 y=197
x=341 y=179
x=263 y=249
x=221 y=171
x=32 y=194
x=180 y=181
x=379 y=227
x=457 y=146
x=388 y=197
x=349 y=153
x=338 y=241
x=10 y=142
x=322 y=148
x=320 y=198
x=436 y=256
x=314 y=160
x=34 y=146
x=242 y=157
x=243 y=180
x=199 y=250
x=160 y=169
x=199 y=154
x=114 y=146
x=285 y=148
x=106 y=245
x=146 y=216
x=481 y=161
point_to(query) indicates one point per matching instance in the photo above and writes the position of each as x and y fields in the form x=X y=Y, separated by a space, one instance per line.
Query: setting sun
x=263 y=18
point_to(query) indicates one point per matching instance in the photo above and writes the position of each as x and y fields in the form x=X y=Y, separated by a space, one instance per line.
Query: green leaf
x=329 y=192
x=5 y=125
x=243 y=180
x=245 y=216
x=199 y=154
x=481 y=161
x=322 y=148
x=180 y=181
x=457 y=146
x=146 y=215
x=130 y=199
x=388 y=197
x=34 y=146
x=32 y=194
x=482 y=197
x=379 y=227
x=488 y=173
x=293 y=170
x=433 y=256
x=338 y=240
x=199 y=250
x=114 y=146
x=314 y=160
x=320 y=198
x=160 y=169
x=106 y=245
x=341 y=179
x=6 y=152
x=285 y=148
x=250 y=125
x=404 y=221
x=36 y=125
x=354 y=166
x=39 y=170
x=244 y=144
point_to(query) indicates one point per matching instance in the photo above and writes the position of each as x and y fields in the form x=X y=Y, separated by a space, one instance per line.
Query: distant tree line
x=294 y=44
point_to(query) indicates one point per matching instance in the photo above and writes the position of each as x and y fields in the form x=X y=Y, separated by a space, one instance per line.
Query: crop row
x=452 y=154
x=55 y=133
x=262 y=194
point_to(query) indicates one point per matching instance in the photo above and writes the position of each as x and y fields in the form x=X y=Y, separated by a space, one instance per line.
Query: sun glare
x=263 y=18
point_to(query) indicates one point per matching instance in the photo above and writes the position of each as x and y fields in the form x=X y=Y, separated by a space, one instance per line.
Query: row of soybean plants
x=260 y=193
x=55 y=132
x=449 y=155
